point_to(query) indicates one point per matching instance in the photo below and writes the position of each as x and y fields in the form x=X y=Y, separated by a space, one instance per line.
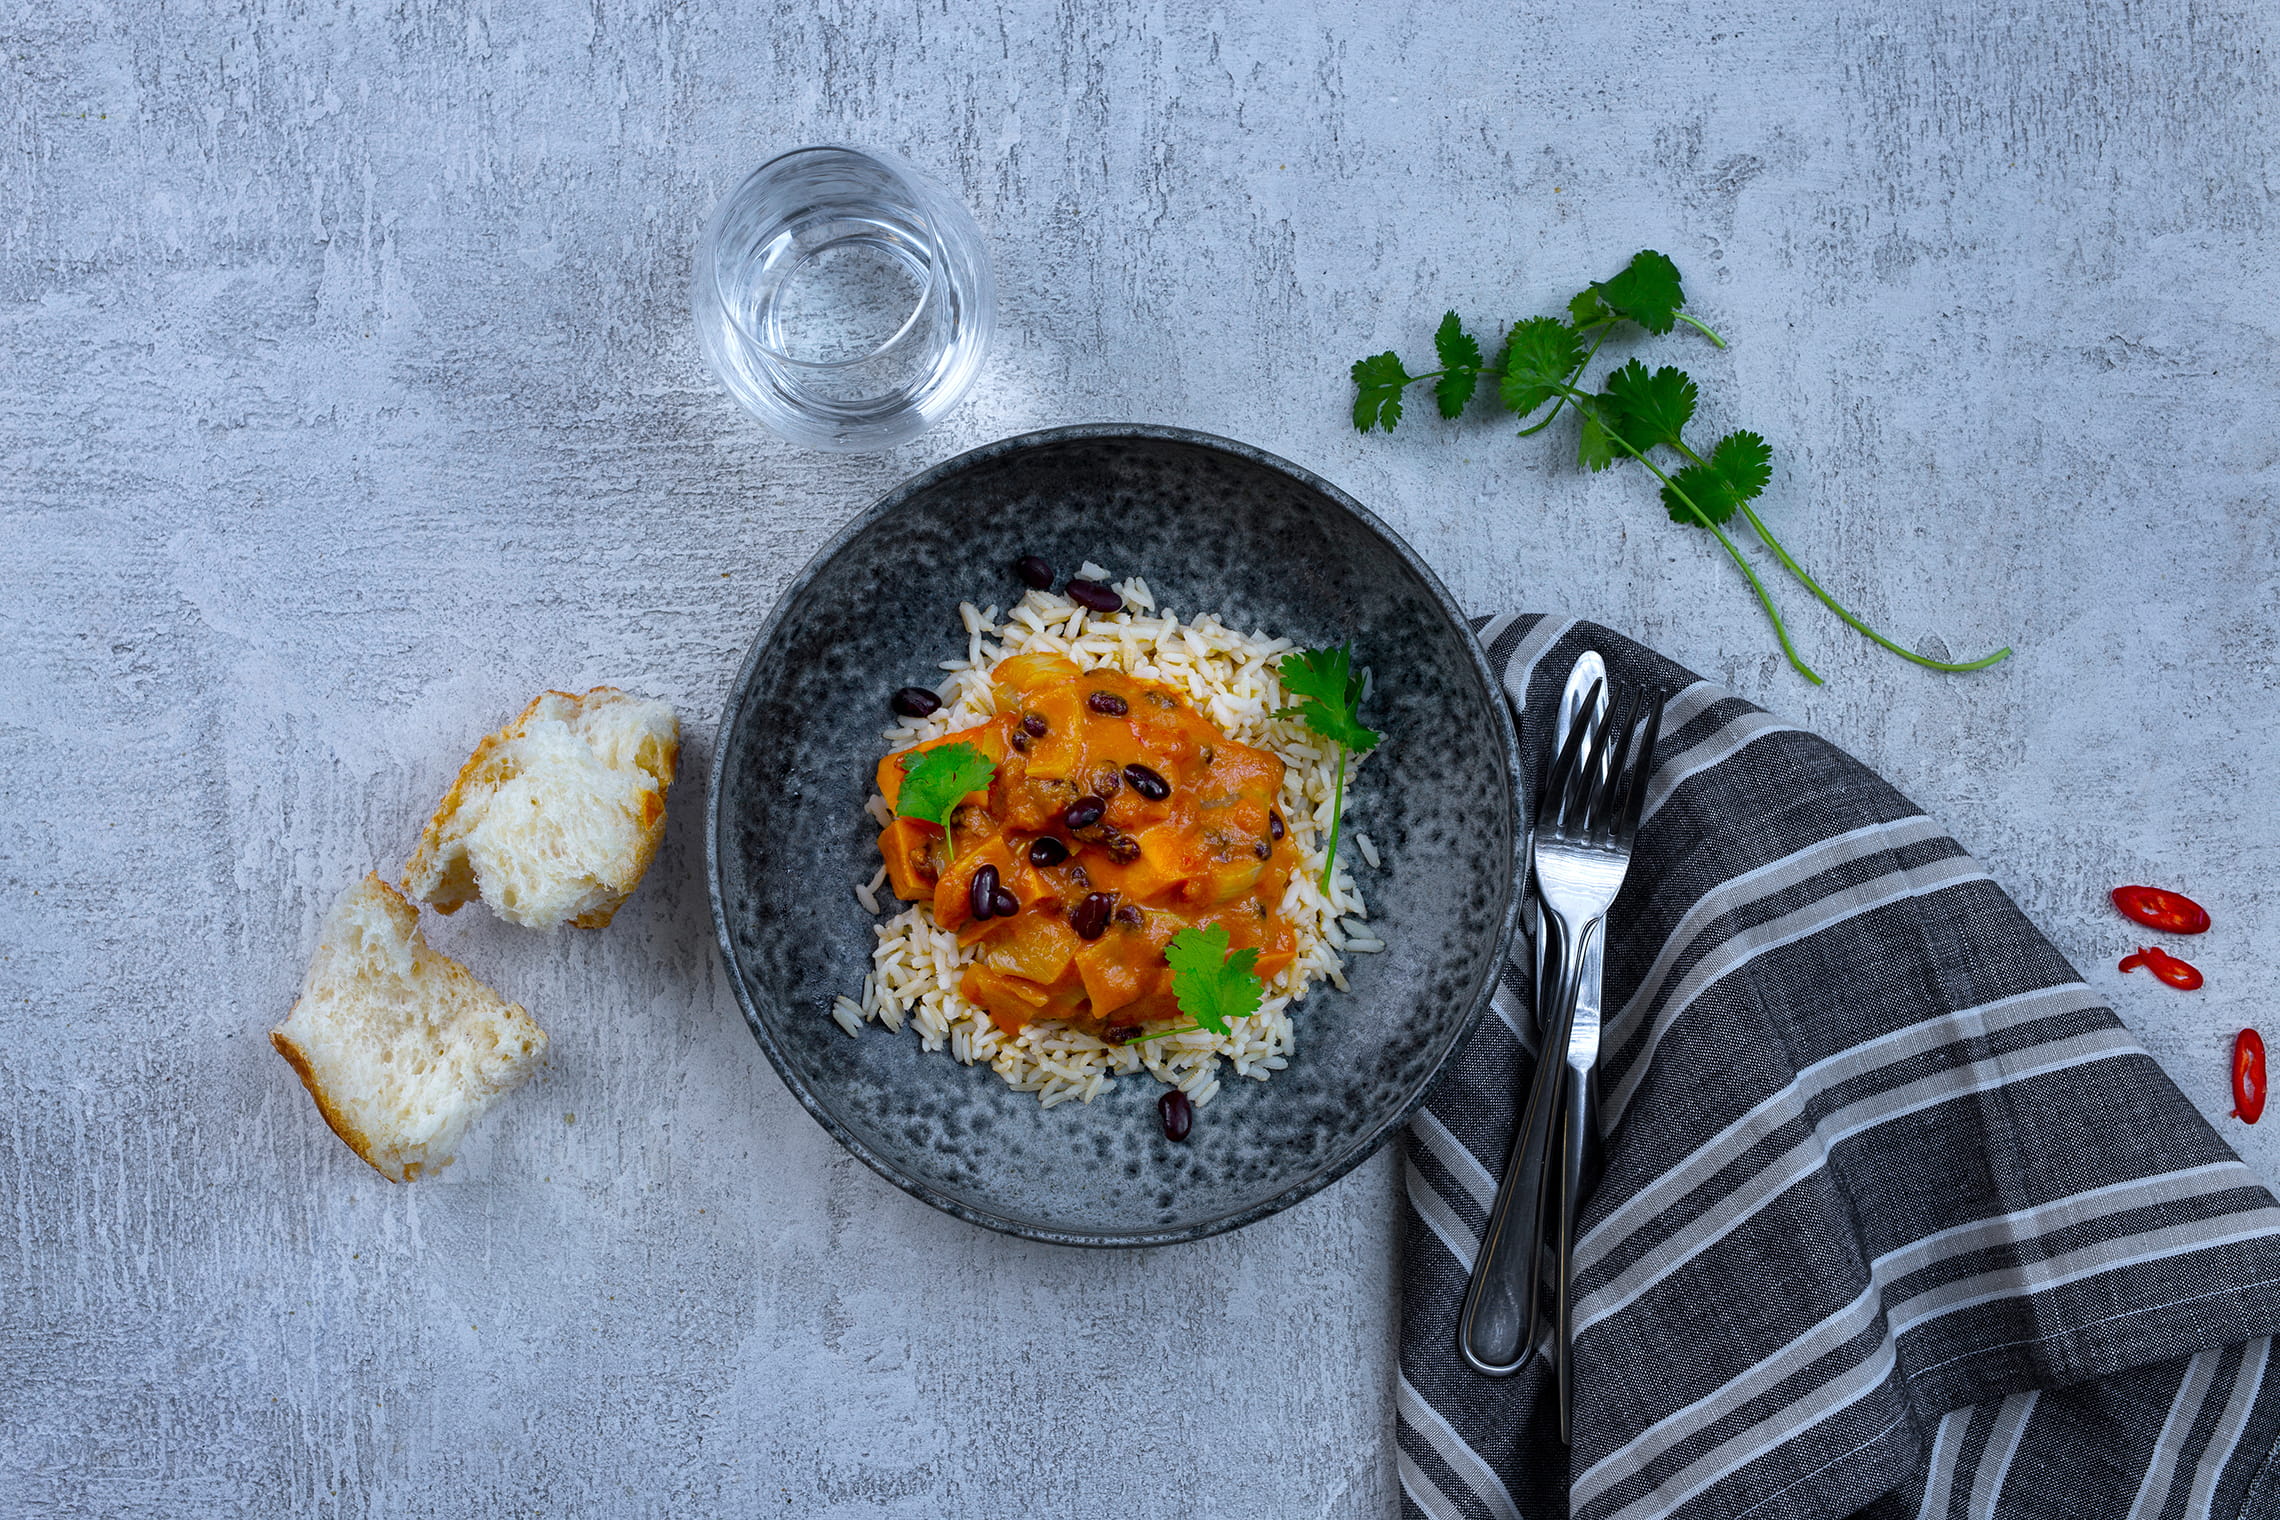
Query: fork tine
x=1583 y=799
x=1642 y=768
x=1607 y=764
x=1554 y=807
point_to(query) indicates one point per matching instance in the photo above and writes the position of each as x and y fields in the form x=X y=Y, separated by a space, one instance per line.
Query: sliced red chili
x=2248 y=1076
x=2159 y=908
x=2169 y=968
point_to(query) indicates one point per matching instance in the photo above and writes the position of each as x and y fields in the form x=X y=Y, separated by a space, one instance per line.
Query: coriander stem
x=1337 y=816
x=1780 y=630
x=1698 y=327
x=1142 y=1039
x=1766 y=537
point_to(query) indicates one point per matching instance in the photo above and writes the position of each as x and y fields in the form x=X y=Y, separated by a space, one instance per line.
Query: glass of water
x=843 y=297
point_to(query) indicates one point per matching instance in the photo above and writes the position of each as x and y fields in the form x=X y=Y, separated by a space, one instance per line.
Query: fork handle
x=1496 y=1334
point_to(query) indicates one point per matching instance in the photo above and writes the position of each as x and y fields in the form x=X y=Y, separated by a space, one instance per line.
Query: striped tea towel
x=1896 y=1220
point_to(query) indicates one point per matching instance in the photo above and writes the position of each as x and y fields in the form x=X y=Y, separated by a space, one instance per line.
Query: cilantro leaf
x=934 y=783
x=1746 y=461
x=1213 y=987
x=1378 y=382
x=1587 y=309
x=1706 y=489
x=1328 y=690
x=1649 y=408
x=1647 y=291
x=1454 y=389
x=1459 y=352
x=1538 y=359
x=1595 y=446
x=1456 y=348
x=1736 y=471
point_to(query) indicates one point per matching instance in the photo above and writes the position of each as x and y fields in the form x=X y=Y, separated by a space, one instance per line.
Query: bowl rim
x=1368 y=1142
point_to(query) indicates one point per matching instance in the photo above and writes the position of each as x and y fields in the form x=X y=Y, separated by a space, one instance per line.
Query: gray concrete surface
x=347 y=398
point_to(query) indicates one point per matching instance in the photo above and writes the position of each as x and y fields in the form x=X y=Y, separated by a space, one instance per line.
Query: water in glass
x=843 y=297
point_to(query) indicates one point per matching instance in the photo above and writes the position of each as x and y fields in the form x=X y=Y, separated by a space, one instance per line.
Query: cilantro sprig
x=933 y=782
x=1633 y=412
x=1329 y=689
x=1213 y=986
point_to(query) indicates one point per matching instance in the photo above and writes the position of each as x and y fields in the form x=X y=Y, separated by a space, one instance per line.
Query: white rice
x=1233 y=681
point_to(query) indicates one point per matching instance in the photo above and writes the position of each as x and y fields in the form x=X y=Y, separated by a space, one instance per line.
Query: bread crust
x=350 y=1136
x=652 y=836
x=444 y=894
x=448 y=888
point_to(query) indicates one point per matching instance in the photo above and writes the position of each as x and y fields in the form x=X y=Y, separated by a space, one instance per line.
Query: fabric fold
x=1895 y=1218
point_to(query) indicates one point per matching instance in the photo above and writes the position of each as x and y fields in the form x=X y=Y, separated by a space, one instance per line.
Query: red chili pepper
x=2158 y=908
x=2168 y=967
x=2248 y=1076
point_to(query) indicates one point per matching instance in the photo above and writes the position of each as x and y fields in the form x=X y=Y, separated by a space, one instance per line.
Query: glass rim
x=906 y=175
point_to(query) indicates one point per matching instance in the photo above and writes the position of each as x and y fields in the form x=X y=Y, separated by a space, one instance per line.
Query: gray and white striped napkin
x=1897 y=1219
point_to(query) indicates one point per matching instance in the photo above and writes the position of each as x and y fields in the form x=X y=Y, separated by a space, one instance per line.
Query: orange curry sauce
x=1211 y=851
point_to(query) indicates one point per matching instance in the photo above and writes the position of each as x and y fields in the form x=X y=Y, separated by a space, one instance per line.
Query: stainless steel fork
x=1629 y=762
x=1581 y=850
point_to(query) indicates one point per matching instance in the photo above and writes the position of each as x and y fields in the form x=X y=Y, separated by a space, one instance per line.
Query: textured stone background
x=347 y=398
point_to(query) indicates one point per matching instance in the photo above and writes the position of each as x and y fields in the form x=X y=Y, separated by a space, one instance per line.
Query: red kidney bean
x=1117 y=1034
x=1006 y=903
x=915 y=702
x=1020 y=741
x=1147 y=783
x=1128 y=916
x=1107 y=784
x=1108 y=704
x=1094 y=595
x=1045 y=851
x=1035 y=573
x=982 y=892
x=1263 y=849
x=1175 y=1113
x=1090 y=917
x=1083 y=813
x=1275 y=827
x=1034 y=725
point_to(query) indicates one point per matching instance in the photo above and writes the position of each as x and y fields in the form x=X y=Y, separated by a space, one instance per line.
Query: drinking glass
x=843 y=297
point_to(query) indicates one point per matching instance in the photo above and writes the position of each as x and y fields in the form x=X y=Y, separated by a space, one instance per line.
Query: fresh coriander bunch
x=1633 y=413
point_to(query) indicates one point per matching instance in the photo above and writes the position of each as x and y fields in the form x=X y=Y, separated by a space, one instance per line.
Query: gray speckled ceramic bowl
x=1212 y=526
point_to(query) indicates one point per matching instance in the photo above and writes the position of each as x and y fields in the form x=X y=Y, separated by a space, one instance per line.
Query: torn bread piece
x=555 y=817
x=399 y=1044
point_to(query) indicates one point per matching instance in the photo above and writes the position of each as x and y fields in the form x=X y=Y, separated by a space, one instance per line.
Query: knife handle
x=1575 y=1142
x=1496 y=1333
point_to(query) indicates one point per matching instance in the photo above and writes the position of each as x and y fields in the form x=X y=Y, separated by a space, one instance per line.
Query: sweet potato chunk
x=1038 y=945
x=909 y=846
x=1010 y=1001
x=1032 y=672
